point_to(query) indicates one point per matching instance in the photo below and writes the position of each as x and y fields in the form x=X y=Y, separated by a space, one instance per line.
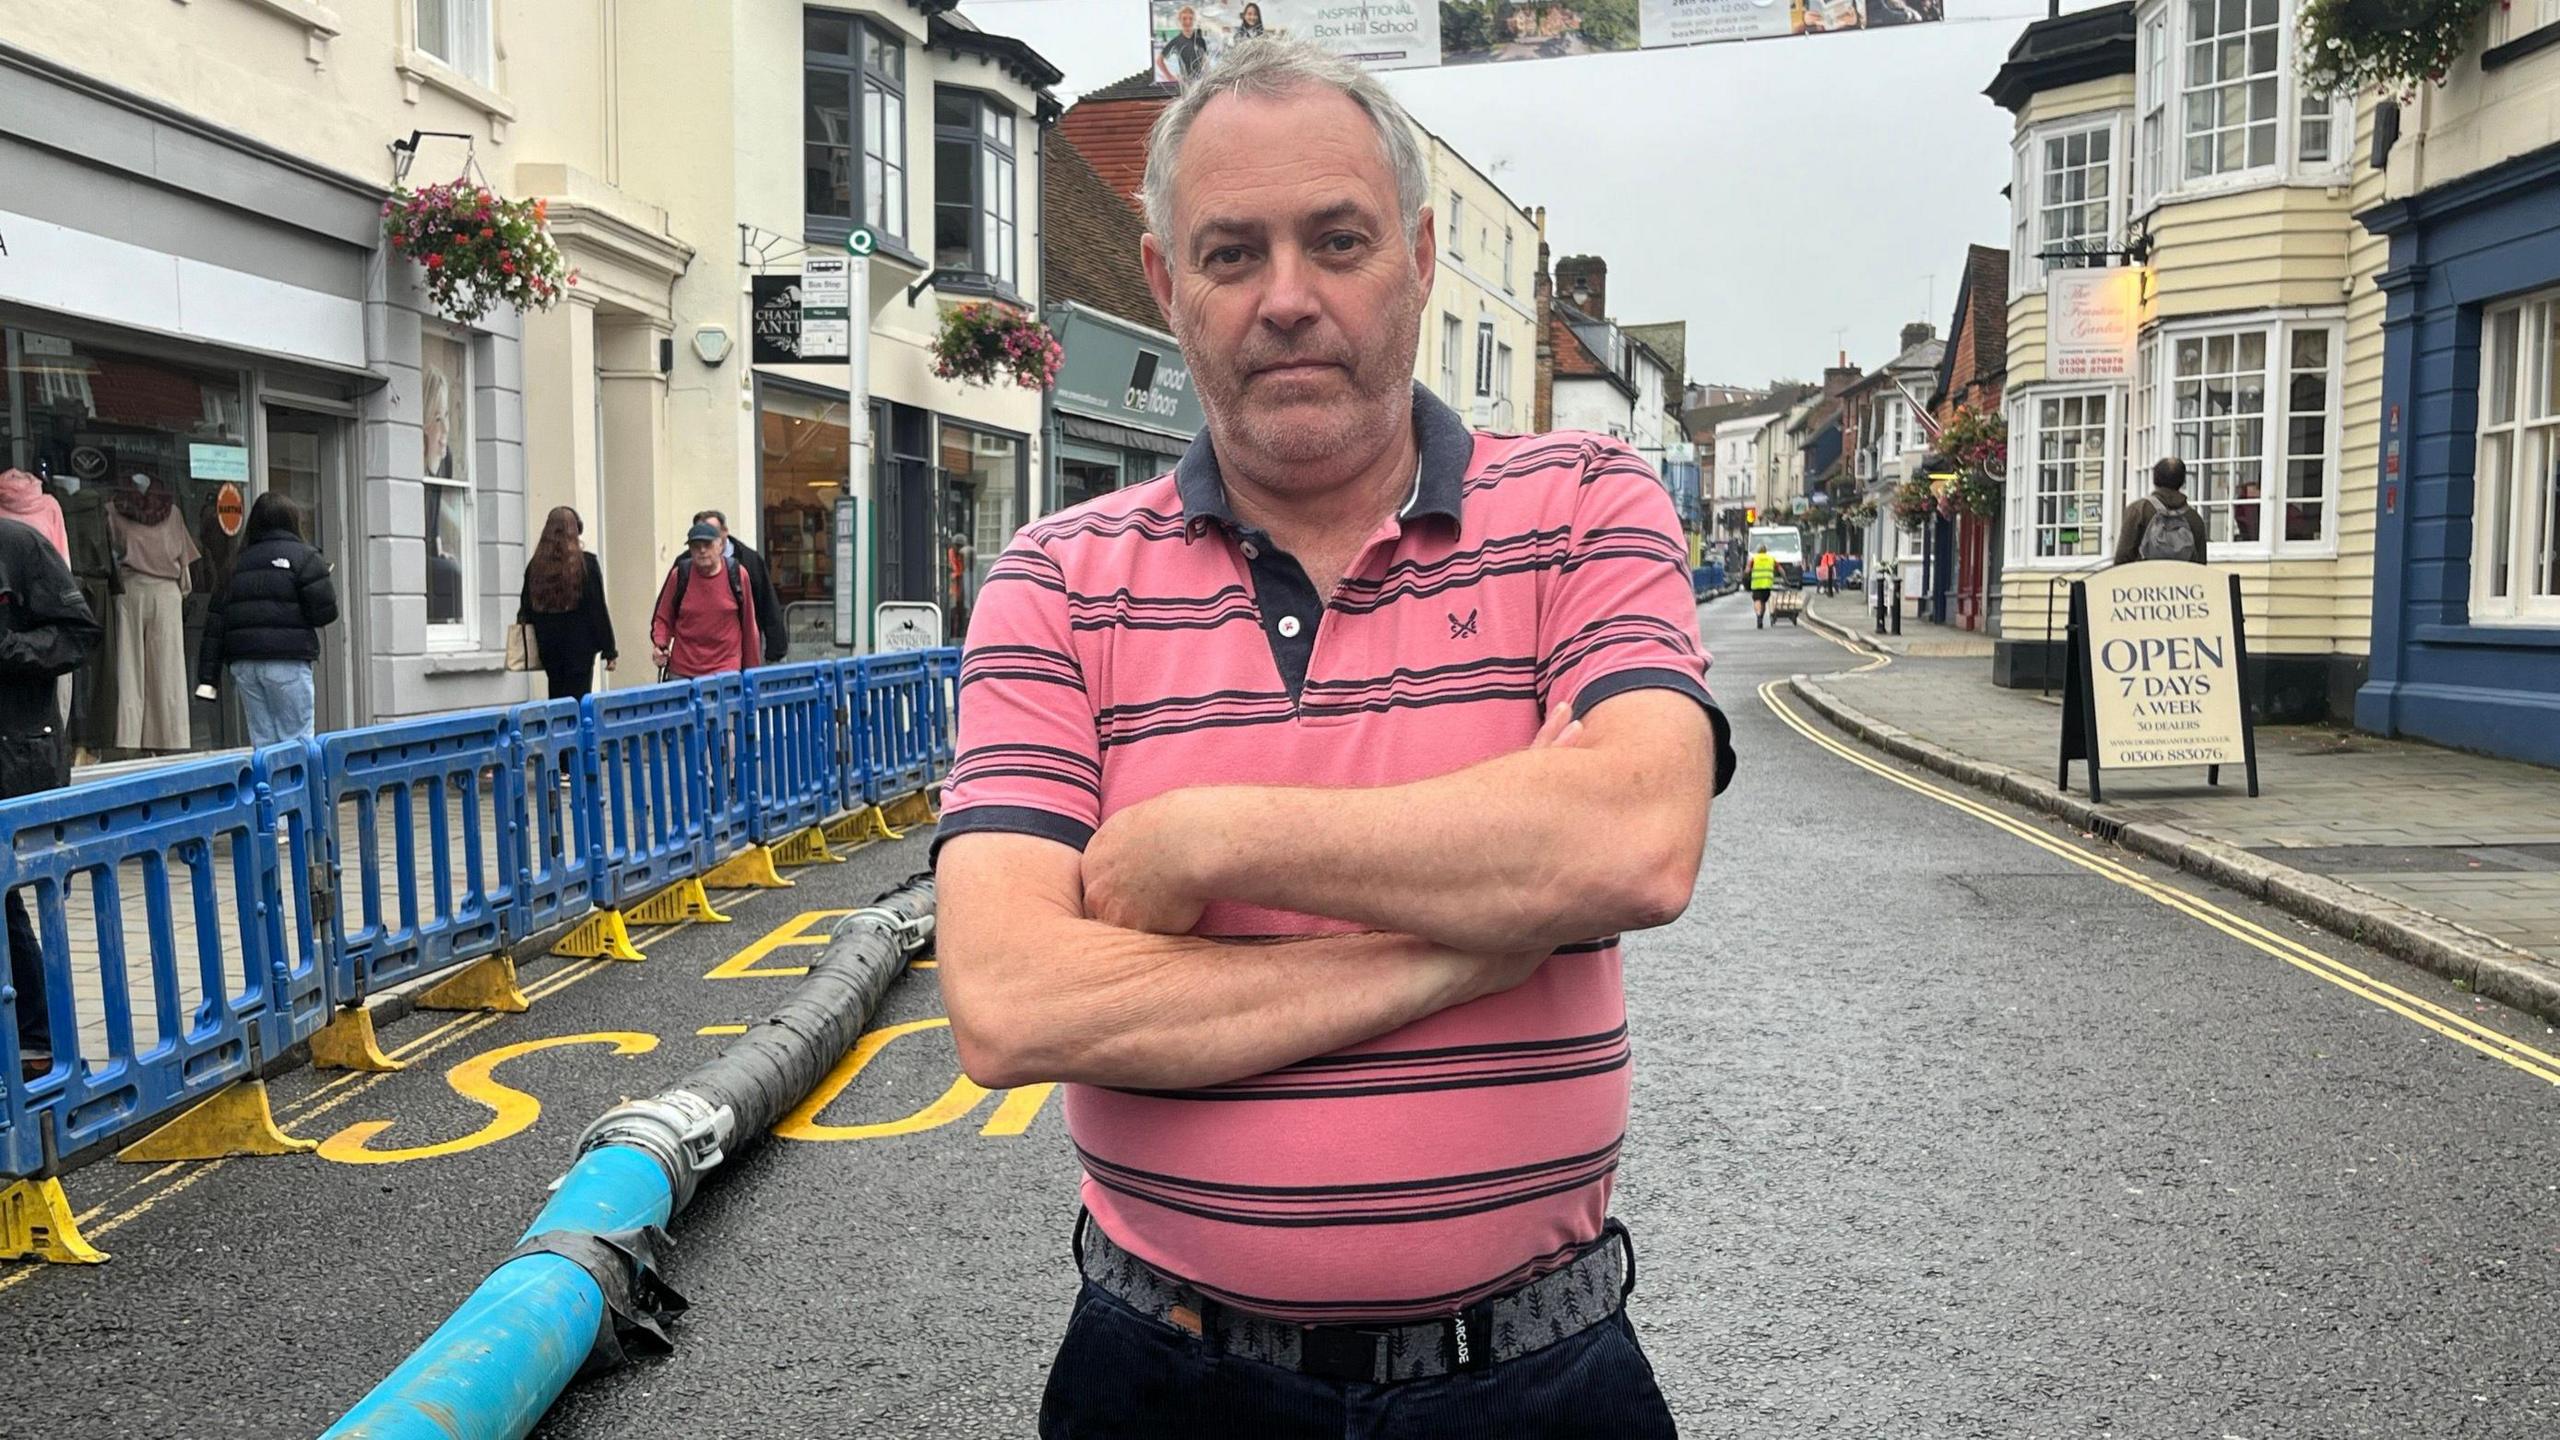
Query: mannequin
x=154 y=551
x=92 y=719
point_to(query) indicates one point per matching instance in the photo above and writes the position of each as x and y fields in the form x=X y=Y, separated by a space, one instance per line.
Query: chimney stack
x=1583 y=282
x=1918 y=333
x=1840 y=377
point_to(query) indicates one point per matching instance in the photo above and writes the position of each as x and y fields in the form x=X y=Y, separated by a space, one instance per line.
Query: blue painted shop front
x=2439 y=672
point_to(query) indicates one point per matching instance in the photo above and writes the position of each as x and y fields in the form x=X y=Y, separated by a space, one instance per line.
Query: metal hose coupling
x=686 y=1134
x=913 y=933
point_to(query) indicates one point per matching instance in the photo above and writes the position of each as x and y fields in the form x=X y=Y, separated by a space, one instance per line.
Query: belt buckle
x=1337 y=1352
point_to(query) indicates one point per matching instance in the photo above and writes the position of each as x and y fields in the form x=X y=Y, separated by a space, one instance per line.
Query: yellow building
x=1479 y=349
x=2174 y=143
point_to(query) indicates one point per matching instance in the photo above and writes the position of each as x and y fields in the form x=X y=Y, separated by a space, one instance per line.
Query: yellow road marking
x=511 y=1111
x=2450 y=1024
x=795 y=931
x=312 y=1104
x=722 y=1030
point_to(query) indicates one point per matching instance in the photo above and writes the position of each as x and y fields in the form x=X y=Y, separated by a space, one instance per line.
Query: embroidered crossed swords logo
x=1462 y=629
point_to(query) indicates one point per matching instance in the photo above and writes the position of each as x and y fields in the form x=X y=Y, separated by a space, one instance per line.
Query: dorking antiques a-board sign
x=2157 y=673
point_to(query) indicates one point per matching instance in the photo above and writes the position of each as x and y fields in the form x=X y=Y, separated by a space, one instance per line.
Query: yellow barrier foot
x=235 y=1120
x=488 y=984
x=684 y=900
x=749 y=869
x=863 y=826
x=347 y=1043
x=601 y=936
x=36 y=1224
x=809 y=847
x=908 y=811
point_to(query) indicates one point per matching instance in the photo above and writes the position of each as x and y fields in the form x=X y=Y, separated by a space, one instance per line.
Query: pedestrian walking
x=2162 y=525
x=265 y=623
x=770 y=622
x=46 y=631
x=1761 y=577
x=705 y=620
x=563 y=600
x=1305 y=697
x=1829 y=569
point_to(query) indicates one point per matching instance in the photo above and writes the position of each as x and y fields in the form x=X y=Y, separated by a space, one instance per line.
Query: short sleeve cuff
x=1619 y=682
x=1011 y=820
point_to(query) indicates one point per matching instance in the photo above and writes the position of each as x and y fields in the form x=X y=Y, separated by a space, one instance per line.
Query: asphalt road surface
x=1939 y=1131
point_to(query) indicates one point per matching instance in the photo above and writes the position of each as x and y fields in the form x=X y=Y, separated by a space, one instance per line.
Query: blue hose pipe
x=491 y=1371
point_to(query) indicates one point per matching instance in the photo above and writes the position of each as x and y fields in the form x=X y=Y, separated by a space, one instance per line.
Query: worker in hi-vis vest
x=1763 y=579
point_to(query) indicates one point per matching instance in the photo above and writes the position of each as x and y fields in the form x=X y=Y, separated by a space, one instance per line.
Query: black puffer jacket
x=45 y=630
x=278 y=597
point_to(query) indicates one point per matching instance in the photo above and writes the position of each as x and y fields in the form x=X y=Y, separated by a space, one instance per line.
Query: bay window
x=976 y=229
x=2074 y=441
x=853 y=128
x=2218 y=103
x=2065 y=199
x=2515 y=497
x=2230 y=82
x=2252 y=410
x=2062 y=455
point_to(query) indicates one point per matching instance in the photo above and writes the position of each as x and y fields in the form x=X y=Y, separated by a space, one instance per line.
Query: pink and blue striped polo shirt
x=1147 y=641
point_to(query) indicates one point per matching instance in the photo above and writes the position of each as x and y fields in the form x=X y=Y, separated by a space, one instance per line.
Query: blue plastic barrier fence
x=652 y=788
x=198 y=919
x=729 y=750
x=551 y=804
x=420 y=828
x=944 y=692
x=139 y=887
x=897 y=714
x=294 y=823
x=791 y=714
x=853 y=737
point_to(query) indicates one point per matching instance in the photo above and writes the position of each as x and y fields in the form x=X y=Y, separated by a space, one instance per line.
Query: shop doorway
x=306 y=463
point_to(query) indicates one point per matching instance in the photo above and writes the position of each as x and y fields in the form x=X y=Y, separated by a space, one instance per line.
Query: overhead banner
x=1188 y=39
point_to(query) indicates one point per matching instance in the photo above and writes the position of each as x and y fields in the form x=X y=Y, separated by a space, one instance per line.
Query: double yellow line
x=172 y=1178
x=2451 y=1024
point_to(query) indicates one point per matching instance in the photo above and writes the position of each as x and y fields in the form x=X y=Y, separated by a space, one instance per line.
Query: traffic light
x=1751 y=515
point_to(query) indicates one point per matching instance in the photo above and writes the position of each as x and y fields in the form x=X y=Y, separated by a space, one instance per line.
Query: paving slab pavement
x=2432 y=854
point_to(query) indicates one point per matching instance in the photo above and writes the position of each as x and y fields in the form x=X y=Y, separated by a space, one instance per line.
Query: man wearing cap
x=705 y=621
x=1301 y=798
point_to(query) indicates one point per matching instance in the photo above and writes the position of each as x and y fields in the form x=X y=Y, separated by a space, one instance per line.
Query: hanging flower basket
x=1915 y=503
x=478 y=249
x=1975 y=440
x=983 y=341
x=2391 y=45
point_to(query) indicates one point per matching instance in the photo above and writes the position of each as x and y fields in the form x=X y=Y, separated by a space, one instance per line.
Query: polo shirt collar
x=1439 y=488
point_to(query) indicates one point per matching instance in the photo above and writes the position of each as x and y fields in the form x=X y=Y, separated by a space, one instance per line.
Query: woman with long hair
x=564 y=603
x=265 y=622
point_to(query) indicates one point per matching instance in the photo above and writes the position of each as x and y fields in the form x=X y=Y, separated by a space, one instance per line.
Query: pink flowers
x=980 y=340
x=477 y=249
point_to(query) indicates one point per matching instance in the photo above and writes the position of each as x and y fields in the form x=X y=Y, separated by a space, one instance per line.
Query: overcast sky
x=1785 y=197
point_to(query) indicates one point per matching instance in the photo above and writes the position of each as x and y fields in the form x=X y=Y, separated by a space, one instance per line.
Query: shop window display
x=982 y=507
x=150 y=461
x=804 y=447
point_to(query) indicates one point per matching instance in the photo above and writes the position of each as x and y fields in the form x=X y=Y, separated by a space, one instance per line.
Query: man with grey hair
x=1302 y=796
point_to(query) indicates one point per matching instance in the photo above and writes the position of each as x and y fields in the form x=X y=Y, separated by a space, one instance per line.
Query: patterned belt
x=1562 y=1303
